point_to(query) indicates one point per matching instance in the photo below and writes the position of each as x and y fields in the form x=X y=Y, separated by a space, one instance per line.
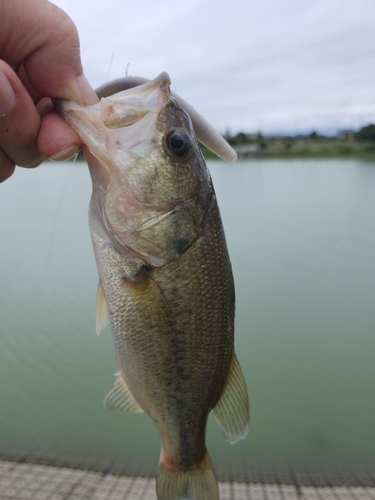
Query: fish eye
x=178 y=142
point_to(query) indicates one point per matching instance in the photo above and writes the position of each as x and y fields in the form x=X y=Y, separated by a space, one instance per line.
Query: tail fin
x=197 y=483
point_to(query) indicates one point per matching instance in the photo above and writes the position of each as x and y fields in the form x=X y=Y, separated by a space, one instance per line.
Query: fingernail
x=87 y=92
x=65 y=154
x=7 y=95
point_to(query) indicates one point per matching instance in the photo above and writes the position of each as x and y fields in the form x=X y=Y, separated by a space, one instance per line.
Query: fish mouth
x=120 y=109
x=119 y=123
x=205 y=133
x=130 y=106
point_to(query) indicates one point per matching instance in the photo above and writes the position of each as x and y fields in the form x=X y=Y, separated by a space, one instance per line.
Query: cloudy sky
x=278 y=66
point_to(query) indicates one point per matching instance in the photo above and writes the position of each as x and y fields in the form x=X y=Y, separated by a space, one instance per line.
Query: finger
x=57 y=140
x=7 y=166
x=35 y=96
x=19 y=126
x=42 y=36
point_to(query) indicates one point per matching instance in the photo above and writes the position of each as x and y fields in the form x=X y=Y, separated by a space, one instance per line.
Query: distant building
x=346 y=134
x=246 y=151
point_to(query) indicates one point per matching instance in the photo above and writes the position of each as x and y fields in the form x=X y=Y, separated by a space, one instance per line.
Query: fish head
x=149 y=178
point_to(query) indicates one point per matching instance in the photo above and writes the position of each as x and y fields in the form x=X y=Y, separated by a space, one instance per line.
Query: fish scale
x=165 y=279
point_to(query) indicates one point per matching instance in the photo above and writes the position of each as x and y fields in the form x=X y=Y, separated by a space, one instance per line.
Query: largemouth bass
x=165 y=278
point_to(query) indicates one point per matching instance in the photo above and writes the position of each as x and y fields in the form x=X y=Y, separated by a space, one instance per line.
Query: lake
x=301 y=235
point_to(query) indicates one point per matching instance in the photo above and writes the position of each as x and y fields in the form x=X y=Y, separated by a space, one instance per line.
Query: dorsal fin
x=205 y=133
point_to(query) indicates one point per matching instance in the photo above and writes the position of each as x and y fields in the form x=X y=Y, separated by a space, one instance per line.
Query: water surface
x=301 y=235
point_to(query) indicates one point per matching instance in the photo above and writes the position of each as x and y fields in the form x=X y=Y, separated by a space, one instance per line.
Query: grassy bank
x=345 y=144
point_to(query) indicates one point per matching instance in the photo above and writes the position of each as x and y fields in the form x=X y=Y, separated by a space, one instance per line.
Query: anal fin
x=120 y=398
x=232 y=410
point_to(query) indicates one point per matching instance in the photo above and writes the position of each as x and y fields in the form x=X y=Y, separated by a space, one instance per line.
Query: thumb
x=44 y=39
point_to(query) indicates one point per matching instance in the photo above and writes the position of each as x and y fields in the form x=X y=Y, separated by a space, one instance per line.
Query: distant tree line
x=242 y=139
x=366 y=133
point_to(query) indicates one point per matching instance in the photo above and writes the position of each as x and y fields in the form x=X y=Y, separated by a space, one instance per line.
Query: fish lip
x=142 y=97
x=124 y=109
x=163 y=80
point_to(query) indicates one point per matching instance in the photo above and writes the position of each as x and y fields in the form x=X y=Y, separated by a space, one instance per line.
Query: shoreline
x=208 y=155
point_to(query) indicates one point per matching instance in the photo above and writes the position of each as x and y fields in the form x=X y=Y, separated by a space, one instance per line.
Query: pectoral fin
x=232 y=410
x=120 y=398
x=101 y=310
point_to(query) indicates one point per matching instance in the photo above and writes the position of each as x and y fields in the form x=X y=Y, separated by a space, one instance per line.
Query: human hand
x=39 y=60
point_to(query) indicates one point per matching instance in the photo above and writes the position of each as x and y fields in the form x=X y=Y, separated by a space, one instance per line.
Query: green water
x=301 y=235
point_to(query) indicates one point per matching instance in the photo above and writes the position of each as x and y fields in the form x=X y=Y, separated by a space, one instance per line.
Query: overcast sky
x=284 y=66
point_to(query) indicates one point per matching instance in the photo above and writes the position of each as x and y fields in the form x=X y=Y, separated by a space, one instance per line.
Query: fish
x=165 y=278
